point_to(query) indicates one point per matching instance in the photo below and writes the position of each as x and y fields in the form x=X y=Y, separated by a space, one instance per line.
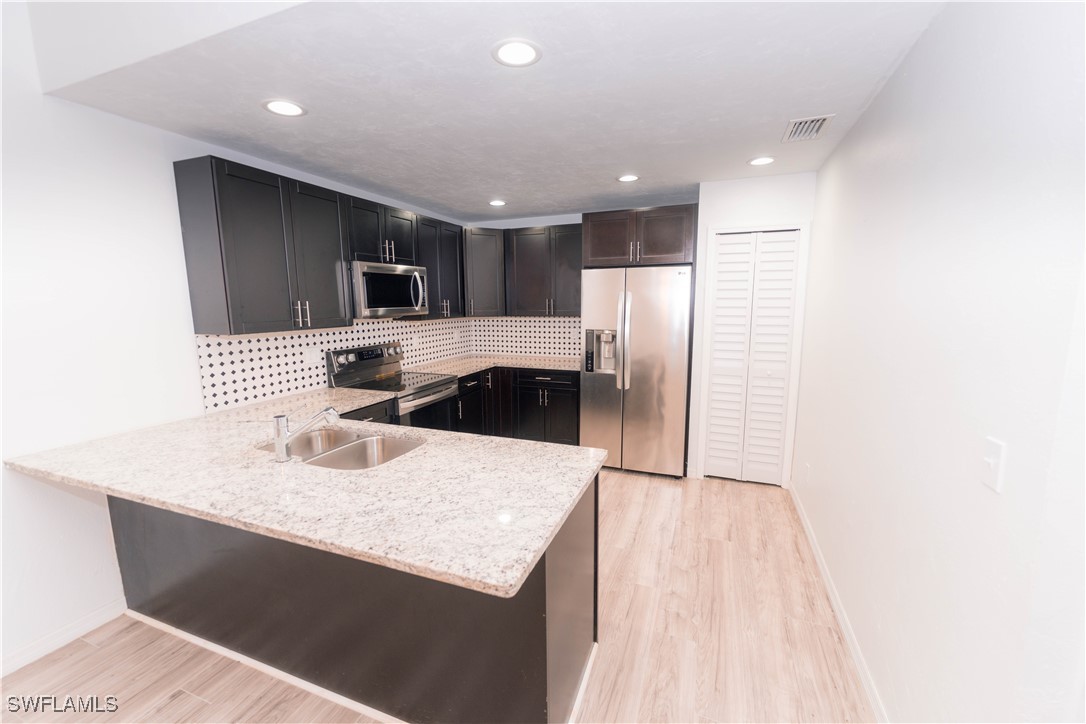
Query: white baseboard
x=33 y=651
x=309 y=686
x=839 y=611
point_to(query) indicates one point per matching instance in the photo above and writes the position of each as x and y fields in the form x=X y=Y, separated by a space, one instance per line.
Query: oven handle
x=414 y=404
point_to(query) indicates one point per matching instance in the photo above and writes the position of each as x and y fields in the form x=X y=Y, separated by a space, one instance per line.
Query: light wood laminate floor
x=711 y=609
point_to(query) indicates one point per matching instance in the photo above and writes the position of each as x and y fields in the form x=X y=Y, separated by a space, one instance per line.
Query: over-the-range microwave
x=388 y=290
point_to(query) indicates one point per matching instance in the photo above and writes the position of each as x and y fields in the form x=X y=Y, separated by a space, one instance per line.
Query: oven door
x=388 y=290
x=432 y=410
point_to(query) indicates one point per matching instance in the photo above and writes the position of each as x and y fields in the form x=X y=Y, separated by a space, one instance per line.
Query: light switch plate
x=995 y=452
x=313 y=356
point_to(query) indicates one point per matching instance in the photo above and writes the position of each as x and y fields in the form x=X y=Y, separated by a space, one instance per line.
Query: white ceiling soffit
x=74 y=41
x=405 y=100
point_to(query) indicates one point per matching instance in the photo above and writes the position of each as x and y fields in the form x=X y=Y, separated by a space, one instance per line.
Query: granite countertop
x=470 y=364
x=470 y=510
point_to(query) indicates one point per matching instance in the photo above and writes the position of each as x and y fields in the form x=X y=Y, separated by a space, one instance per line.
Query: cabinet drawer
x=547 y=378
x=470 y=383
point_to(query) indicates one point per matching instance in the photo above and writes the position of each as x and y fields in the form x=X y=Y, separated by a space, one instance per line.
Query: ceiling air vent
x=806 y=129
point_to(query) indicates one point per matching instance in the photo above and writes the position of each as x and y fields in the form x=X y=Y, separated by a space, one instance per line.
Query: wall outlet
x=313 y=356
x=995 y=452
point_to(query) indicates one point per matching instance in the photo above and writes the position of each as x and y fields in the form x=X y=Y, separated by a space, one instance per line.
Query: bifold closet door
x=732 y=290
x=752 y=312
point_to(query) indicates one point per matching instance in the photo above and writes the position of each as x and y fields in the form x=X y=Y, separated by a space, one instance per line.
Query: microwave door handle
x=416 y=279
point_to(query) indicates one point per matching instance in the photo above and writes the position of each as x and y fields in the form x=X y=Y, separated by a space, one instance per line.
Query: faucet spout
x=284 y=436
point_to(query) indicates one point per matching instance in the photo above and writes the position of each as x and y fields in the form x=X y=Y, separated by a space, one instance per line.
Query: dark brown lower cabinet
x=418 y=649
x=470 y=411
x=498 y=401
x=546 y=406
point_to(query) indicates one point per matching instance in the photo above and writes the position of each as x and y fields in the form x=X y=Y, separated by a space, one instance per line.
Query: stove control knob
x=341 y=359
x=399 y=350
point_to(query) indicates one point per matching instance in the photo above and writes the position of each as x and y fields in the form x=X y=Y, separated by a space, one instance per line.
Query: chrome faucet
x=283 y=436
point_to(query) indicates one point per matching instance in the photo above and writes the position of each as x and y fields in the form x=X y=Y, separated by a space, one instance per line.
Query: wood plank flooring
x=711 y=609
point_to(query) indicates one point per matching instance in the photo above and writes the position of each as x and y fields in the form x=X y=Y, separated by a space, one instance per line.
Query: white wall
x=944 y=280
x=97 y=331
x=751 y=204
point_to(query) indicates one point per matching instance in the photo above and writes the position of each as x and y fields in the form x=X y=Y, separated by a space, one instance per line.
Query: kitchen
x=127 y=359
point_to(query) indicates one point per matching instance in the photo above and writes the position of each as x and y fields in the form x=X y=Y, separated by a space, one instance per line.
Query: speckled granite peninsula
x=470 y=510
x=457 y=582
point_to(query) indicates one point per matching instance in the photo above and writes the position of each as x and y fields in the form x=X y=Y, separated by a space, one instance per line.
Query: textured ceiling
x=405 y=100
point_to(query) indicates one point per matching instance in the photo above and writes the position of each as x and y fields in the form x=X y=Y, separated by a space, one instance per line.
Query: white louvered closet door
x=754 y=296
x=732 y=287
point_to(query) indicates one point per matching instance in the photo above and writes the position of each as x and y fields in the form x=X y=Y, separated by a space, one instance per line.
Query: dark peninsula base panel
x=412 y=647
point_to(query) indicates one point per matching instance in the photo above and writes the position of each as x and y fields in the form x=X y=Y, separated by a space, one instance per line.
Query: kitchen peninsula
x=456 y=582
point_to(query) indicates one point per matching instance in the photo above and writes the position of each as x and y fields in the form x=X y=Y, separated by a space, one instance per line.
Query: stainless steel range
x=422 y=399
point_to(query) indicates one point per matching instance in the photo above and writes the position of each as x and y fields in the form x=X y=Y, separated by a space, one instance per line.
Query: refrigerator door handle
x=620 y=355
x=627 y=353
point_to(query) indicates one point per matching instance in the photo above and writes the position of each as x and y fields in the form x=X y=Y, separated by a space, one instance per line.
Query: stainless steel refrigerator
x=635 y=325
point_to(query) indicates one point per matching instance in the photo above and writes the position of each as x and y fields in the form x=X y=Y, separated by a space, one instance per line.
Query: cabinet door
x=529 y=277
x=484 y=278
x=320 y=254
x=665 y=235
x=531 y=418
x=399 y=231
x=608 y=238
x=498 y=388
x=257 y=254
x=428 y=253
x=566 y=250
x=452 y=268
x=561 y=417
x=365 y=230
x=470 y=412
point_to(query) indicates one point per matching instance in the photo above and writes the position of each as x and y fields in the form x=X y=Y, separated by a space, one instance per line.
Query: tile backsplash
x=240 y=369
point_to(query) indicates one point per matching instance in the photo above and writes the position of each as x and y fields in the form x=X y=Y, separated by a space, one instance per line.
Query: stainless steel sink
x=365 y=453
x=317 y=442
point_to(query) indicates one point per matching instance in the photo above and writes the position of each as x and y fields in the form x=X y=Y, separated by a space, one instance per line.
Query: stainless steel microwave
x=388 y=290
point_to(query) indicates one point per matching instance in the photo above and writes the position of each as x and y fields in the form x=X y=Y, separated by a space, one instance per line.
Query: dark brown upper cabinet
x=440 y=250
x=484 y=273
x=380 y=233
x=263 y=253
x=543 y=270
x=661 y=235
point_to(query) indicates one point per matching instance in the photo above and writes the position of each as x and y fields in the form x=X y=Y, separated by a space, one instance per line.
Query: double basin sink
x=344 y=450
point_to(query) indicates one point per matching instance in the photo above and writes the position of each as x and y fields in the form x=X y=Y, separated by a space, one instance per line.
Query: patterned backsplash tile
x=240 y=369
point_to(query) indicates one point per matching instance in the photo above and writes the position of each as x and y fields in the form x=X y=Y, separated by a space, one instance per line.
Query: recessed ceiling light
x=497 y=202
x=516 y=52
x=284 y=108
x=627 y=178
x=761 y=161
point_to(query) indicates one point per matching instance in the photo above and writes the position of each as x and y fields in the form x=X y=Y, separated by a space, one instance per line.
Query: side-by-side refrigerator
x=635 y=324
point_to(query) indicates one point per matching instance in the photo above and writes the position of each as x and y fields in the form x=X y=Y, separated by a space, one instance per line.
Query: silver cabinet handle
x=298 y=309
x=627 y=353
x=384 y=251
x=308 y=319
x=471 y=384
x=544 y=379
x=631 y=251
x=460 y=409
x=546 y=398
x=488 y=384
x=540 y=397
x=638 y=250
x=472 y=307
x=393 y=251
